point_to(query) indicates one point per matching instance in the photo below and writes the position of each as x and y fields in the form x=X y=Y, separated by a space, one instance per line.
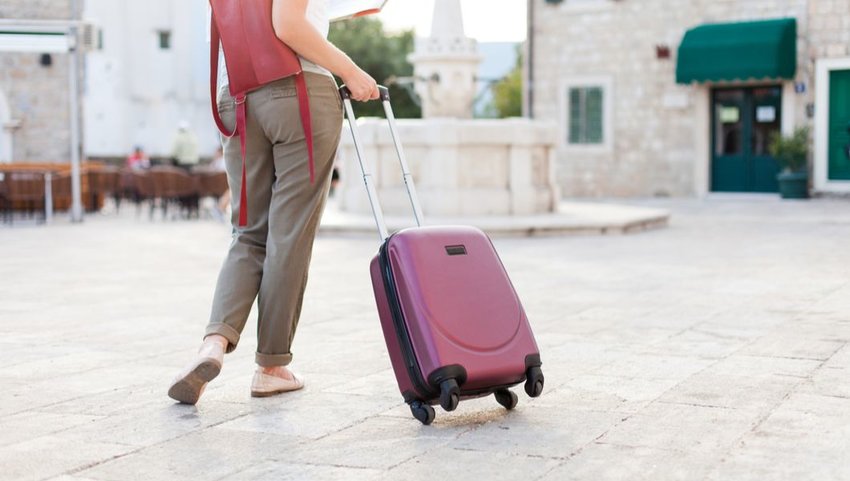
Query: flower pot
x=793 y=185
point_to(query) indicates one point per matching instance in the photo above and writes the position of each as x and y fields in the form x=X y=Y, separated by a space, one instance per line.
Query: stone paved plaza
x=715 y=349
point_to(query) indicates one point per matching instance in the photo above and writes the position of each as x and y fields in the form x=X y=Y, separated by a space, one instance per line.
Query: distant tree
x=382 y=56
x=507 y=93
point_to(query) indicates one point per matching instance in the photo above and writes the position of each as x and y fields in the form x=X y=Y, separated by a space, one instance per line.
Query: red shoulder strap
x=215 y=40
x=306 y=119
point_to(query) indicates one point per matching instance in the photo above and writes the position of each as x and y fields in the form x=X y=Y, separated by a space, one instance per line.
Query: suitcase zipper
x=413 y=371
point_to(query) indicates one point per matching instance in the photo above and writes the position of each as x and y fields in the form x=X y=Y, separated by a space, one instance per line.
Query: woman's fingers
x=365 y=92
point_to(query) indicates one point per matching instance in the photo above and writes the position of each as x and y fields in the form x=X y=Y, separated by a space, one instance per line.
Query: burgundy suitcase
x=454 y=326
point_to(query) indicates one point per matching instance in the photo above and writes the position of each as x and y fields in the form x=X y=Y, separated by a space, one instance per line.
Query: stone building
x=34 y=94
x=679 y=98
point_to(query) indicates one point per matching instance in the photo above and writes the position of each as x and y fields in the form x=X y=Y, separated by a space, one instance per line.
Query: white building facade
x=150 y=73
x=606 y=72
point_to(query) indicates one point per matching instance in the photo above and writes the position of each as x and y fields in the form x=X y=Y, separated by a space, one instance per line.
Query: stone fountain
x=462 y=166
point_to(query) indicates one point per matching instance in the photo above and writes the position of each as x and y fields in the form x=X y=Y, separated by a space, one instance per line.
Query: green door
x=839 y=125
x=743 y=122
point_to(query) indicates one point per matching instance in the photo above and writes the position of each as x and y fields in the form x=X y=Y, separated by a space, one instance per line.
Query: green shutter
x=585 y=115
x=593 y=113
x=575 y=116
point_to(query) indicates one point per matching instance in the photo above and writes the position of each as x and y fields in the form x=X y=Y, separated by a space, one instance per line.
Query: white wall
x=136 y=93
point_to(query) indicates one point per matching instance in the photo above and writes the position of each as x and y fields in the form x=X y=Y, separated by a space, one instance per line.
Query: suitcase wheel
x=506 y=398
x=534 y=381
x=423 y=412
x=449 y=394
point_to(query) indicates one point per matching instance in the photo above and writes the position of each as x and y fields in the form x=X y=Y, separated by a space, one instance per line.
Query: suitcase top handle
x=345 y=93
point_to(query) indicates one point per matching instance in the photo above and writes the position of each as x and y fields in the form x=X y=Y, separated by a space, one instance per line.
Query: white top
x=317 y=15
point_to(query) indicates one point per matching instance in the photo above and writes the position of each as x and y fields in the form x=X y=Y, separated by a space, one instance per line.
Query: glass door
x=743 y=122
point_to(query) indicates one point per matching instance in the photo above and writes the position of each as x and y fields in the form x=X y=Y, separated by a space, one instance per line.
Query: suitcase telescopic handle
x=345 y=93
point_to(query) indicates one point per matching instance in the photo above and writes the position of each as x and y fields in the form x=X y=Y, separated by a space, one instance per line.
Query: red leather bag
x=254 y=57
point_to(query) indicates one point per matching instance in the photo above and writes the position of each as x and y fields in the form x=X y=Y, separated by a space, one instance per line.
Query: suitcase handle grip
x=384 y=92
x=371 y=192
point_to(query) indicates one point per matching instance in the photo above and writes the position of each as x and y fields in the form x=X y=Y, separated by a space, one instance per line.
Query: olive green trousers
x=269 y=258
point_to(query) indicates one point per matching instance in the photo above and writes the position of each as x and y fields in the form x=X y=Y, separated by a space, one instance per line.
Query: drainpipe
x=73 y=90
x=529 y=62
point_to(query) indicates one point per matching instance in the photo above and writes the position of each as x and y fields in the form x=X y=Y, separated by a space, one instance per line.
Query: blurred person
x=269 y=257
x=217 y=163
x=335 y=176
x=184 y=150
x=138 y=160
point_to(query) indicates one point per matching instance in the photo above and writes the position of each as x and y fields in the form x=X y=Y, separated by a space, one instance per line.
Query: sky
x=481 y=20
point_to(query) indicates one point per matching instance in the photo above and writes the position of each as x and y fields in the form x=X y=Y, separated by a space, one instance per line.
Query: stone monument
x=447 y=63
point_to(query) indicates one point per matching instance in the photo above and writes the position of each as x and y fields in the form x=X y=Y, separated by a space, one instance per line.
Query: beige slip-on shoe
x=188 y=386
x=264 y=385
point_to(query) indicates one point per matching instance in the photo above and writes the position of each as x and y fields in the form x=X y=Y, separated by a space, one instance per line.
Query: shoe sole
x=188 y=390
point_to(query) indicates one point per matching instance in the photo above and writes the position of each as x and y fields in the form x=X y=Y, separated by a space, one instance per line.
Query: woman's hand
x=362 y=86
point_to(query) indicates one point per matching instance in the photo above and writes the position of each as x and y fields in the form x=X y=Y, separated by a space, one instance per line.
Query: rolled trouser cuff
x=271 y=360
x=229 y=333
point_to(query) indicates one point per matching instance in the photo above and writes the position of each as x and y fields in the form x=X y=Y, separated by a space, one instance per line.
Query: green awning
x=738 y=51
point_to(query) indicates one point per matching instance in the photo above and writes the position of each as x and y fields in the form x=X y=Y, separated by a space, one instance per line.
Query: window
x=585 y=112
x=164 y=39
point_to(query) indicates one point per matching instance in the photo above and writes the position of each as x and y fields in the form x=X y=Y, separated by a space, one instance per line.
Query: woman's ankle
x=217 y=339
x=278 y=371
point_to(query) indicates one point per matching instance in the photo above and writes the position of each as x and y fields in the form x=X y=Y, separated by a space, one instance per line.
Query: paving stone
x=446 y=463
x=281 y=471
x=831 y=378
x=312 y=416
x=829 y=381
x=755 y=393
x=381 y=384
x=607 y=393
x=156 y=423
x=50 y=456
x=697 y=342
x=66 y=477
x=576 y=357
x=534 y=430
x=608 y=461
x=377 y=442
x=792 y=346
x=652 y=366
x=682 y=427
x=17 y=396
x=33 y=424
x=742 y=365
x=210 y=453
x=807 y=437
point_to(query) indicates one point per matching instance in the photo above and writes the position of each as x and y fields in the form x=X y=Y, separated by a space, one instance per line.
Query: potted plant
x=792 y=153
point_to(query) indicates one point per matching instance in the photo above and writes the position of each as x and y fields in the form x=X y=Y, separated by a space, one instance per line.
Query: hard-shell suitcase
x=453 y=323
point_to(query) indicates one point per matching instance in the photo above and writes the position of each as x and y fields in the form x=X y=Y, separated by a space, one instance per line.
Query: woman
x=270 y=256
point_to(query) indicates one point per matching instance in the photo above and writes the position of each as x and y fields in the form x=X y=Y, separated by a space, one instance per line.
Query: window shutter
x=585 y=122
x=576 y=117
x=593 y=113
